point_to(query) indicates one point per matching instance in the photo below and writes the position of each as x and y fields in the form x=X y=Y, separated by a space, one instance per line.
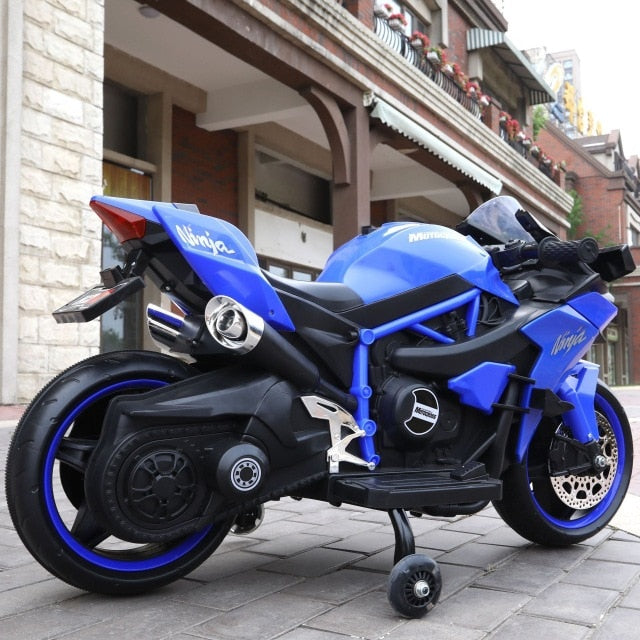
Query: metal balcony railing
x=399 y=42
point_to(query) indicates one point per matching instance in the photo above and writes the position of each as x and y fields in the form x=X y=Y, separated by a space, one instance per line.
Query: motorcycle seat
x=333 y=296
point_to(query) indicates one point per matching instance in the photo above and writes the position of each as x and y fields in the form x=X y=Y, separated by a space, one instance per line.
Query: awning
x=539 y=91
x=428 y=140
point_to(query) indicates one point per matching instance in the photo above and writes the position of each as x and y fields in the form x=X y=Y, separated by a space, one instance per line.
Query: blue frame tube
x=360 y=388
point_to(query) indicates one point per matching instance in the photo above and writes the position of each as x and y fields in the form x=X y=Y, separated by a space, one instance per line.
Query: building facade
x=300 y=121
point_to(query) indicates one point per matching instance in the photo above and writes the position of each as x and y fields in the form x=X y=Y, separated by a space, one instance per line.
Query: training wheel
x=248 y=521
x=414 y=585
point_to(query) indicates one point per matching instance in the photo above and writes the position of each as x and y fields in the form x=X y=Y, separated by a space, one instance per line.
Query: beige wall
x=56 y=153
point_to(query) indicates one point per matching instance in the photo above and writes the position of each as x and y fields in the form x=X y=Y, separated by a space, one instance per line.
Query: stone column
x=61 y=168
x=11 y=22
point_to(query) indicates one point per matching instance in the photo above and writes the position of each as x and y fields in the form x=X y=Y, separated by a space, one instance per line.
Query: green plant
x=576 y=215
x=540 y=116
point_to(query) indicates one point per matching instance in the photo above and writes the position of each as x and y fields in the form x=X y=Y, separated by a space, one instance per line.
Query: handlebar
x=550 y=252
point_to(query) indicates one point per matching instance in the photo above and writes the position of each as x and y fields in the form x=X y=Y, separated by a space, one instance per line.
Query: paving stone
x=265 y=618
x=369 y=616
x=632 y=599
x=606 y=575
x=147 y=623
x=521 y=576
x=558 y=557
x=619 y=551
x=315 y=562
x=474 y=524
x=505 y=536
x=485 y=556
x=525 y=627
x=573 y=603
x=369 y=542
x=32 y=596
x=443 y=540
x=23 y=575
x=340 y=586
x=325 y=515
x=226 y=564
x=348 y=528
x=456 y=577
x=285 y=546
x=237 y=590
x=476 y=608
x=621 y=624
x=381 y=561
x=305 y=633
x=427 y=629
x=45 y=622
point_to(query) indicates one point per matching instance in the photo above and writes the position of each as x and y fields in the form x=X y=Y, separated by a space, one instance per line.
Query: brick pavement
x=315 y=572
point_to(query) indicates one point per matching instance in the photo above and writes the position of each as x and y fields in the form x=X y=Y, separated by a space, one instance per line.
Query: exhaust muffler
x=242 y=331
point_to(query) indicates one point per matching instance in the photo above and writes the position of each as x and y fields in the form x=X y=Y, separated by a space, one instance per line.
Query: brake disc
x=586 y=491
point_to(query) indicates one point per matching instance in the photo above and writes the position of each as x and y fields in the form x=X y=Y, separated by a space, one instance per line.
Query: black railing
x=399 y=42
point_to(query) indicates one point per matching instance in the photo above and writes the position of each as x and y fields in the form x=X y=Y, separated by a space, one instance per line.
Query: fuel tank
x=400 y=256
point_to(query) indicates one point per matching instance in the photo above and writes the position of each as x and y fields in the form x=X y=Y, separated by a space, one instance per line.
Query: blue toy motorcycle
x=427 y=370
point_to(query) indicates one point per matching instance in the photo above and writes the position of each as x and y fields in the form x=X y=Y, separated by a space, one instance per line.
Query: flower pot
x=396 y=24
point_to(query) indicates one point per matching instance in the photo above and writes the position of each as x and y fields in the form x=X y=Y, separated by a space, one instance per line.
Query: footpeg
x=338 y=419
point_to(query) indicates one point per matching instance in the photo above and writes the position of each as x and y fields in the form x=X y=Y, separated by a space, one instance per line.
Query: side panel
x=564 y=335
x=225 y=261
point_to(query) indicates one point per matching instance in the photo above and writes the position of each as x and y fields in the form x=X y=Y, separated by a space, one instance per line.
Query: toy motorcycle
x=426 y=370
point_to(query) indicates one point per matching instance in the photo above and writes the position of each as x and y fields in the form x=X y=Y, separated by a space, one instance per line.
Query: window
x=281 y=182
x=289 y=270
x=426 y=16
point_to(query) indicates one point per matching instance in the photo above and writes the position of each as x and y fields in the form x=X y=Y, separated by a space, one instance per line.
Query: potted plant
x=382 y=9
x=397 y=21
x=435 y=55
x=419 y=41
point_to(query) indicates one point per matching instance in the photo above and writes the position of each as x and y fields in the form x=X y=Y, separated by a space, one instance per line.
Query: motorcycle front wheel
x=49 y=452
x=564 y=510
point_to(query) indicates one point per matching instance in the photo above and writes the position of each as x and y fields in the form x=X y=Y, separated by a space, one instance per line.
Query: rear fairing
x=217 y=251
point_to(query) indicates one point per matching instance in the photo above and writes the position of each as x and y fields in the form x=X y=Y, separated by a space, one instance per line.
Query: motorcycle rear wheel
x=45 y=480
x=569 y=509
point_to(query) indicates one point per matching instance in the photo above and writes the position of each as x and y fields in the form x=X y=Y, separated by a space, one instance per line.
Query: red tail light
x=124 y=224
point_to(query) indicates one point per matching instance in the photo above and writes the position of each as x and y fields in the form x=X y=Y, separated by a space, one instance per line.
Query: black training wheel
x=248 y=521
x=414 y=585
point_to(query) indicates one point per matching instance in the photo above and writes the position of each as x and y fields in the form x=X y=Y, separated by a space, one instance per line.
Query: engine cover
x=413 y=413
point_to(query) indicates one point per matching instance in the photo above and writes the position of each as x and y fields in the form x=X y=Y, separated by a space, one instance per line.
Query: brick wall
x=61 y=167
x=204 y=167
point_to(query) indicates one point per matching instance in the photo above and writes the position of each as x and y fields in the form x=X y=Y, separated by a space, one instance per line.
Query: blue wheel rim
x=598 y=511
x=130 y=565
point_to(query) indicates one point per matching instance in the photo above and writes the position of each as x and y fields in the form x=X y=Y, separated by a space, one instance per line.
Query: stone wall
x=61 y=168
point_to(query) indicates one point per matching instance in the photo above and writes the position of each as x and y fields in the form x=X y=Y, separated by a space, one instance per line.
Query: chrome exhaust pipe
x=232 y=325
x=242 y=331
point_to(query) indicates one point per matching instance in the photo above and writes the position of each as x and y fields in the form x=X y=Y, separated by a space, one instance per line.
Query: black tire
x=46 y=494
x=414 y=585
x=570 y=509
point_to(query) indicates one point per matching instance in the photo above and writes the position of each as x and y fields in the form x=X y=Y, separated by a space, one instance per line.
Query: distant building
x=298 y=120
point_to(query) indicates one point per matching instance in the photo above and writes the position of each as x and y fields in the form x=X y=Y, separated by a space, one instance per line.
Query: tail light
x=124 y=224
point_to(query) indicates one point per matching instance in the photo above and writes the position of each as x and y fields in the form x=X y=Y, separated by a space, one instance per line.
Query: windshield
x=495 y=222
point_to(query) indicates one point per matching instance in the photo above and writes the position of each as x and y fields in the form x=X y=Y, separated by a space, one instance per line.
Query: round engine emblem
x=424 y=414
x=246 y=474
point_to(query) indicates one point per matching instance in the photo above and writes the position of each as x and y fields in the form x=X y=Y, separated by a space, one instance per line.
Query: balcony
x=399 y=42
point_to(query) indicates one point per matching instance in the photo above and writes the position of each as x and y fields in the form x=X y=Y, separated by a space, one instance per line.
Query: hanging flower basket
x=419 y=41
x=382 y=10
x=484 y=100
x=397 y=21
x=447 y=69
x=434 y=56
